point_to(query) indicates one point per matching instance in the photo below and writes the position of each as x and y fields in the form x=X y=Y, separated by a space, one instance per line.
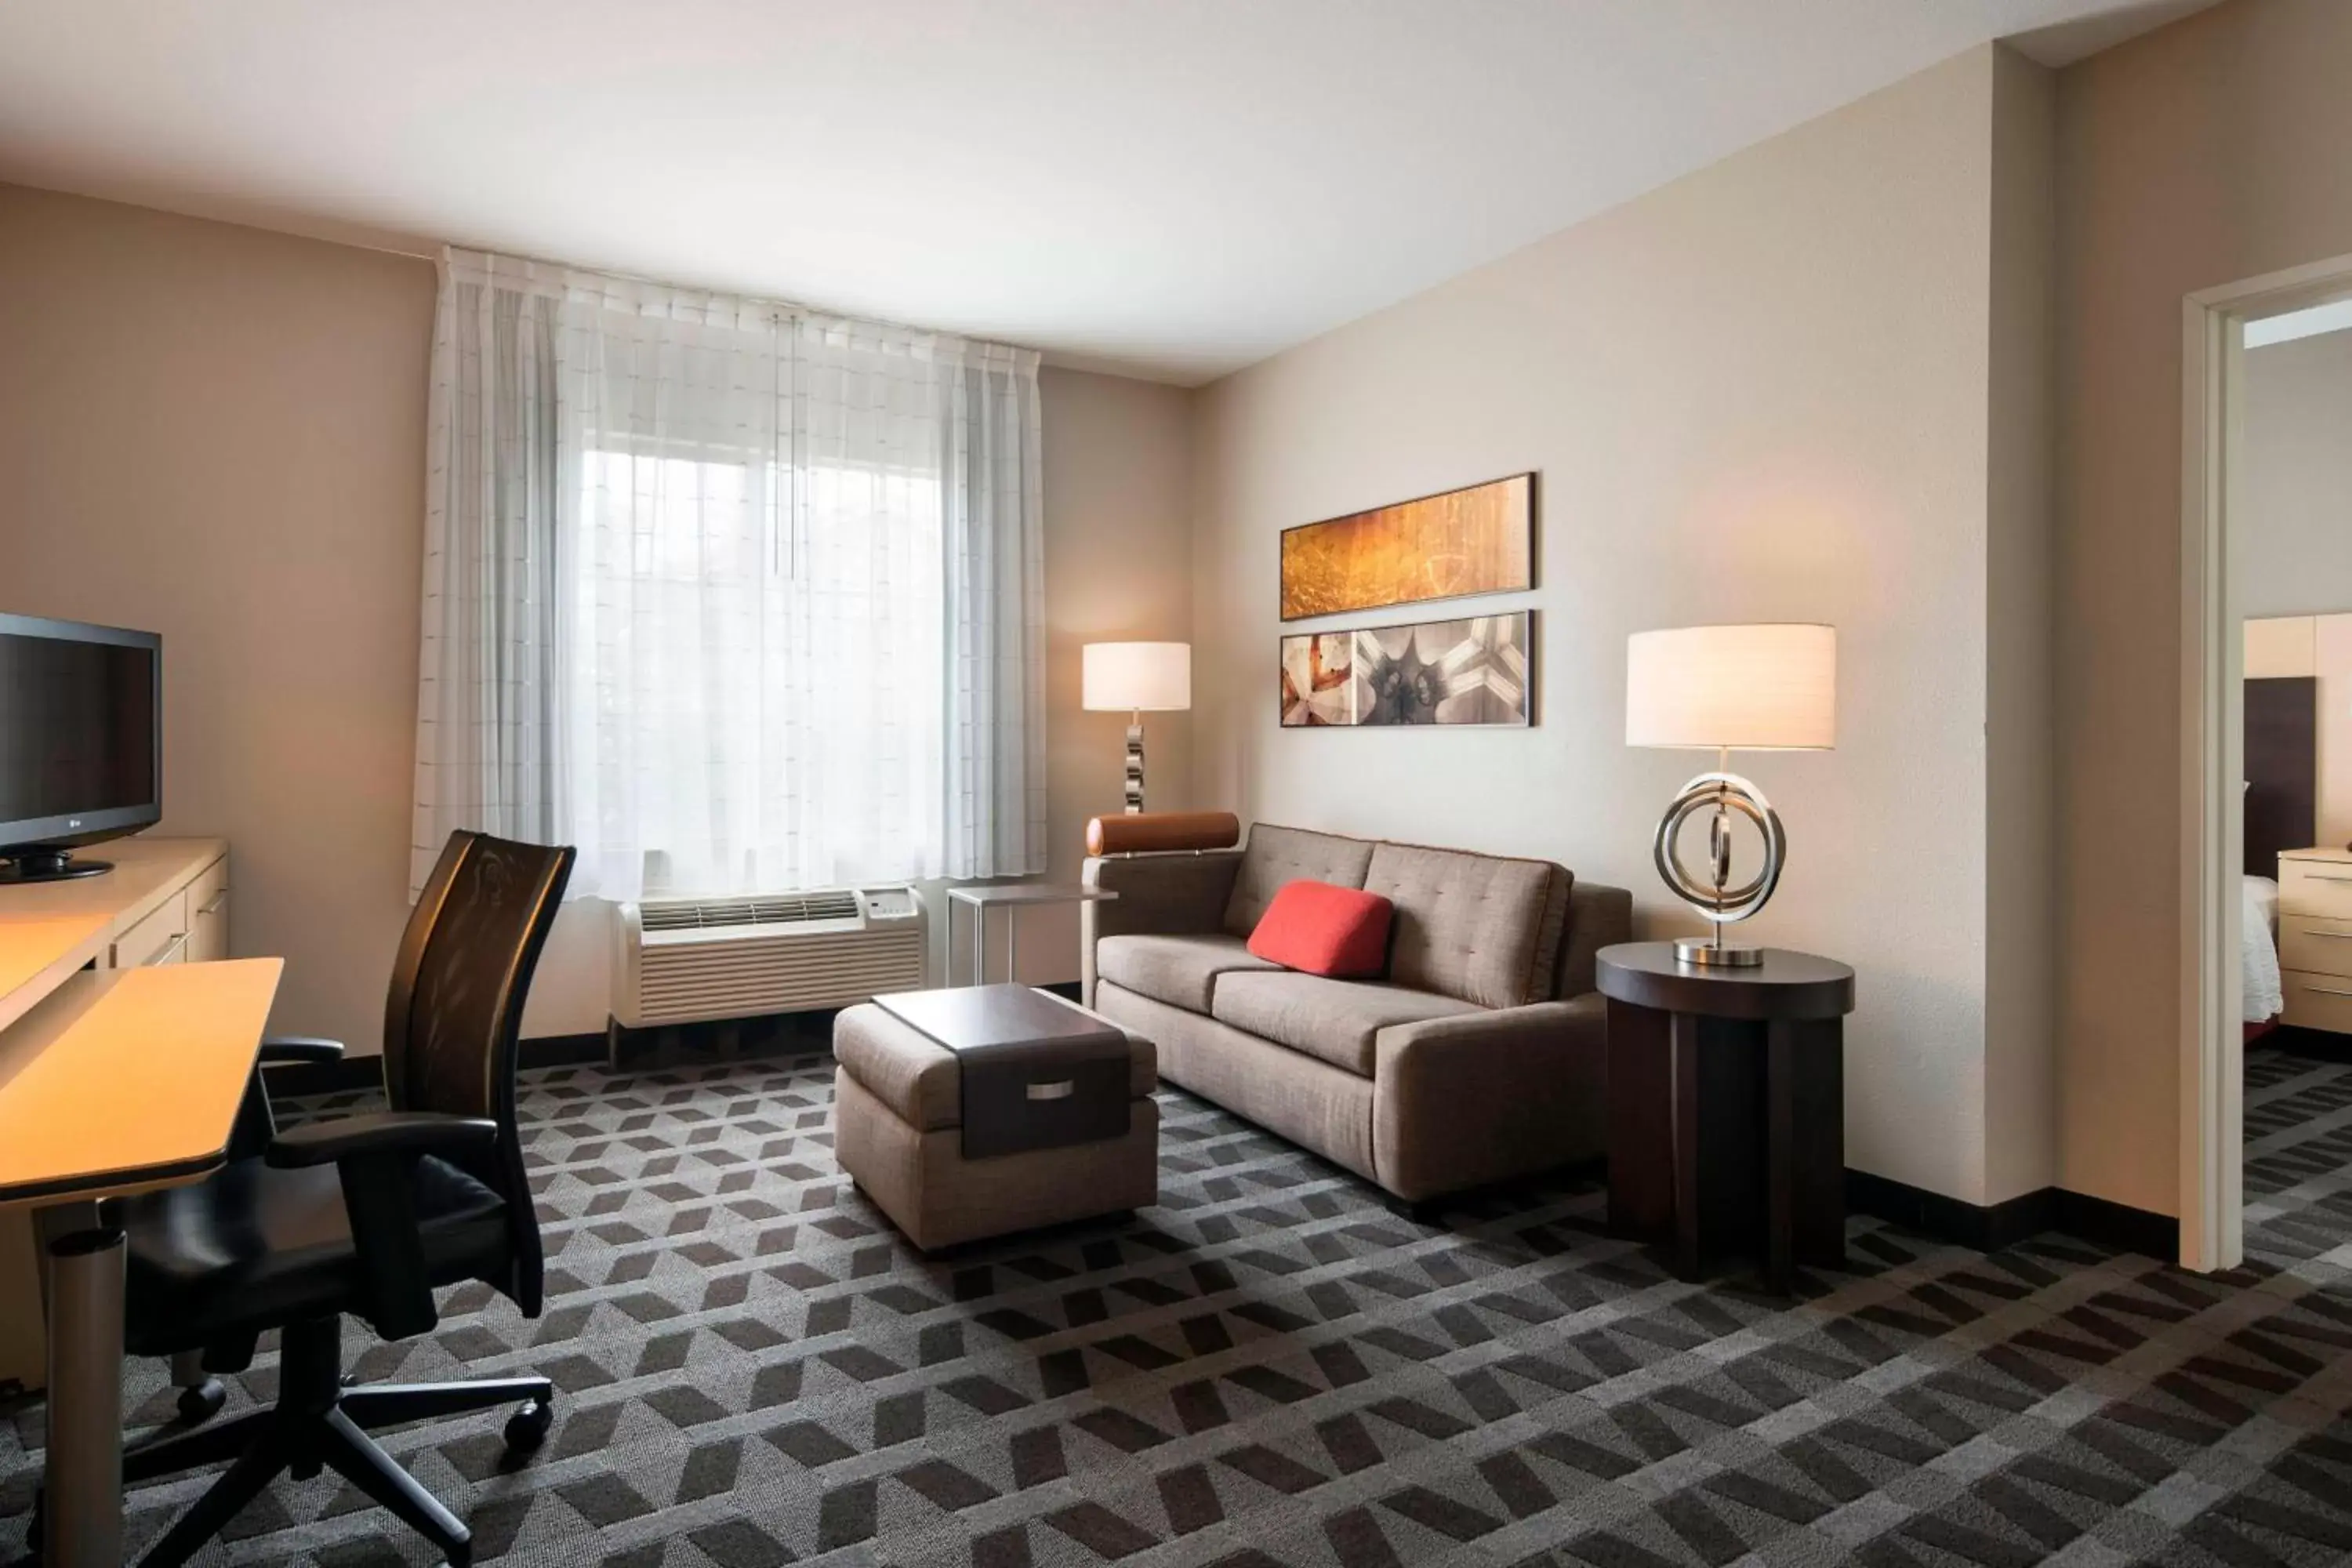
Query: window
x=734 y=598
x=760 y=702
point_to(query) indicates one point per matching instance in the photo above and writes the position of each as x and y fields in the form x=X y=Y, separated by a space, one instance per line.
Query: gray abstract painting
x=1474 y=670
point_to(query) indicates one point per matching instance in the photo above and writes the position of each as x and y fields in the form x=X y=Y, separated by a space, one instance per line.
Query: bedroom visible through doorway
x=2290 y=522
x=2268 y=704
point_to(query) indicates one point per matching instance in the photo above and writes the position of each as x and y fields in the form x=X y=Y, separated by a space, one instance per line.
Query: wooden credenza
x=2316 y=938
x=166 y=902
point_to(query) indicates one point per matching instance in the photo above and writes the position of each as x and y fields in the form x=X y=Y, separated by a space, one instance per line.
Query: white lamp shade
x=1137 y=677
x=1756 y=688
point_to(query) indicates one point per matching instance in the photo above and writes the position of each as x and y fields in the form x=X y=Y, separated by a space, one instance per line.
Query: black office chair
x=365 y=1214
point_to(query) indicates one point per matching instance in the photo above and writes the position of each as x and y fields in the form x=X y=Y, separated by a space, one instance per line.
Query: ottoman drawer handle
x=1060 y=1089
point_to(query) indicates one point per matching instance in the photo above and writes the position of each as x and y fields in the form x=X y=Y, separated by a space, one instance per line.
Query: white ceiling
x=1170 y=187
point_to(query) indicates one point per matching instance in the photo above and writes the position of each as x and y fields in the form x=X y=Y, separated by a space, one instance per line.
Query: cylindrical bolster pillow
x=1150 y=830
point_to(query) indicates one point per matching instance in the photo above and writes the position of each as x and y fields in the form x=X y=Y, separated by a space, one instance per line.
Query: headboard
x=2282 y=769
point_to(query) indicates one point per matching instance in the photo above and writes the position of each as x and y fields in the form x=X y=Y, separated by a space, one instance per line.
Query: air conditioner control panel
x=889 y=904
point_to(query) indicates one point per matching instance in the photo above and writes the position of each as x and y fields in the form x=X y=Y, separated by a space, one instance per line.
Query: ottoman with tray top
x=985 y=1110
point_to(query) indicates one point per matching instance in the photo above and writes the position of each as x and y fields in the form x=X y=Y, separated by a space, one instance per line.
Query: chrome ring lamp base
x=1725 y=794
x=1715 y=953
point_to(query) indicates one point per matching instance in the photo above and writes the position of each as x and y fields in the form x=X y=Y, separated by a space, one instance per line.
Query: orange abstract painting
x=1474 y=541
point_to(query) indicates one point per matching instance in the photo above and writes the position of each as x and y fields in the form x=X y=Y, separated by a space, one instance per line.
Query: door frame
x=2213 y=761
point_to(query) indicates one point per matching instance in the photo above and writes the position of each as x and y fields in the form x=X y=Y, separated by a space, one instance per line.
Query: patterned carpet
x=1270 y=1369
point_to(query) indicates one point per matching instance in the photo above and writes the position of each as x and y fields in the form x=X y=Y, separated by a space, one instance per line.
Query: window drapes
x=733 y=596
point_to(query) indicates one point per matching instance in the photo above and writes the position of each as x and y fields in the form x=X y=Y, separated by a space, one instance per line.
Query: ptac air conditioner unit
x=686 y=960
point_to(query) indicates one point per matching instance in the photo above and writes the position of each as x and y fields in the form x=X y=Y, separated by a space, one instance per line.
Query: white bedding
x=2265 y=999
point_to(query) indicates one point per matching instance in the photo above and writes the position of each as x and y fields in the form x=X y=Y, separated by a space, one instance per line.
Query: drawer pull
x=222 y=898
x=2328 y=991
x=2331 y=935
x=171 y=952
x=1060 y=1089
x=2326 y=877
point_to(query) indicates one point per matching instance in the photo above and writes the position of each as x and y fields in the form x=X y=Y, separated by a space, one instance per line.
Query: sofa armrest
x=1177 y=894
x=1598 y=916
x=1476 y=1098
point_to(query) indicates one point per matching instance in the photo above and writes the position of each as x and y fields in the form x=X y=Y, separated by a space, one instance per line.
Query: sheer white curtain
x=489 y=719
x=791 y=630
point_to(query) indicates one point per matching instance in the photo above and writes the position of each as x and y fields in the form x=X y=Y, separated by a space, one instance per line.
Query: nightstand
x=2314 y=938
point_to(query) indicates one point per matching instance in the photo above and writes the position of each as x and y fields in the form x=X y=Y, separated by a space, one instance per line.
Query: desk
x=1012 y=895
x=1727 y=1104
x=120 y=1081
x=166 y=902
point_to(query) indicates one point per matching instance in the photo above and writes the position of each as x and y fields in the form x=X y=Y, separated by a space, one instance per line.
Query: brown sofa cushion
x=1181 y=971
x=1478 y=927
x=1278 y=854
x=1334 y=1021
x=1287 y=1092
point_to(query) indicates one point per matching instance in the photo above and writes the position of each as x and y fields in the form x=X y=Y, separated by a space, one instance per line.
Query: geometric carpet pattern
x=1269 y=1368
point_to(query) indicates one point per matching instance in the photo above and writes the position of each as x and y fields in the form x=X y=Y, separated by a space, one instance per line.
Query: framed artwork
x=1477 y=671
x=1480 y=540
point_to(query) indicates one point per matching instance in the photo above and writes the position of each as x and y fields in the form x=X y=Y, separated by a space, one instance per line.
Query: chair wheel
x=527 y=1428
x=202 y=1401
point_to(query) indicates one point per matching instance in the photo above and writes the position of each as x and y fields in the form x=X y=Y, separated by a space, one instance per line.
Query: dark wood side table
x=1726 y=1105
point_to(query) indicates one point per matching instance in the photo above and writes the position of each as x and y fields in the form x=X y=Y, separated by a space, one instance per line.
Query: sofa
x=1478 y=1058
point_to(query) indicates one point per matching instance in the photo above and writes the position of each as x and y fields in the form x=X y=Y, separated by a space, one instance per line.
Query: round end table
x=1726 y=1106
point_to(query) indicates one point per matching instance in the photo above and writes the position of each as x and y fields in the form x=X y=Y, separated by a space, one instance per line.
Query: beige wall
x=1759 y=394
x=216 y=432
x=2021 y=730
x=2293 y=528
x=2209 y=151
x=1117 y=569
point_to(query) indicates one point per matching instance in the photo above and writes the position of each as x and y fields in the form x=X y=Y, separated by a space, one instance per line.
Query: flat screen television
x=81 y=743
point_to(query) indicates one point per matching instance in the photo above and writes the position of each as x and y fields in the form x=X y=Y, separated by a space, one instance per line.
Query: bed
x=2264 y=998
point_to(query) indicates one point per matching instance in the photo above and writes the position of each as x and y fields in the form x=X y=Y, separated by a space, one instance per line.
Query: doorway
x=2215 y=899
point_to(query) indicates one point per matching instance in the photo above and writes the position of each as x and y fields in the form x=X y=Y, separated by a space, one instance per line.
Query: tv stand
x=49 y=866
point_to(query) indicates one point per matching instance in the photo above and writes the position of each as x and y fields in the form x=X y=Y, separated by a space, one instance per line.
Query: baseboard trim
x=2119 y=1226
x=1989 y=1228
x=560 y=1051
x=1986 y=1228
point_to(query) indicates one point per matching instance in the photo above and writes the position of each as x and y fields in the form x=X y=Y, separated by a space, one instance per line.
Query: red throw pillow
x=1322 y=930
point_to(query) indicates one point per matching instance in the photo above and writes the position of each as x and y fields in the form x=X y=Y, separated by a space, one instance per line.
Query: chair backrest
x=455 y=1011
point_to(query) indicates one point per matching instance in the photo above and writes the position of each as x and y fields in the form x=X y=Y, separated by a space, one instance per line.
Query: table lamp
x=1722 y=689
x=1136 y=678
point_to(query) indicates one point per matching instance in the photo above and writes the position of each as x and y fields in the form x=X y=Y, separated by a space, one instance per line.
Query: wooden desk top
x=50 y=930
x=130 y=1079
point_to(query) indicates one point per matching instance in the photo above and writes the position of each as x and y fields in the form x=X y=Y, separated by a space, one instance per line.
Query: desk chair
x=365 y=1214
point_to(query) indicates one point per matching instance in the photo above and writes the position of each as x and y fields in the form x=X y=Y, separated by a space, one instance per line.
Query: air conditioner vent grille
x=685 y=960
x=717 y=914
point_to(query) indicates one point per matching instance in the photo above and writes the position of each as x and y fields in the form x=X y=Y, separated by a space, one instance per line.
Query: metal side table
x=1012 y=895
